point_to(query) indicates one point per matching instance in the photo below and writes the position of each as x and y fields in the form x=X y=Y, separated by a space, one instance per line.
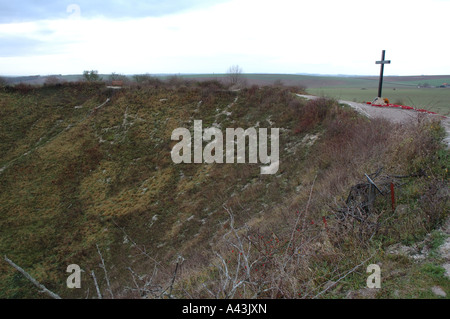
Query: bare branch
x=96 y=285
x=106 y=273
x=34 y=281
x=234 y=74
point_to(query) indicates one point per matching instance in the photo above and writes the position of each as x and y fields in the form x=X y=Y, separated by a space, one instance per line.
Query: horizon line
x=243 y=73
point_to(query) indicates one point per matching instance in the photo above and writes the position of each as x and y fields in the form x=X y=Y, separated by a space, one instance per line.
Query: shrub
x=92 y=76
x=175 y=81
x=214 y=85
x=313 y=113
x=147 y=79
x=235 y=75
x=23 y=88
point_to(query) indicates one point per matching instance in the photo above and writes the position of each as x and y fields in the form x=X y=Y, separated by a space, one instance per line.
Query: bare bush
x=251 y=263
x=23 y=88
x=234 y=76
x=147 y=79
x=313 y=113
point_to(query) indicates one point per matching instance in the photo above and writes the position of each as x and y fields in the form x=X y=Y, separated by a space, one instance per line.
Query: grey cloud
x=29 y=10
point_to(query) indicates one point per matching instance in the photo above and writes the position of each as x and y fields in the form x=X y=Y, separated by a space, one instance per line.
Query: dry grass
x=106 y=178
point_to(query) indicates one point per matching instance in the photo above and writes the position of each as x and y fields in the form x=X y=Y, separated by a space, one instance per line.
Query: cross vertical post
x=382 y=62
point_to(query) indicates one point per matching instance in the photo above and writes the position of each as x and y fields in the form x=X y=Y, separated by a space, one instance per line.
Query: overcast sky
x=208 y=36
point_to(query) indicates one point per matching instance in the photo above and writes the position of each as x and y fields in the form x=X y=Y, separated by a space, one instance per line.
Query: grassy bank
x=80 y=183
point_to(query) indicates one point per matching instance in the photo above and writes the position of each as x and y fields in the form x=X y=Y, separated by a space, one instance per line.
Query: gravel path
x=393 y=114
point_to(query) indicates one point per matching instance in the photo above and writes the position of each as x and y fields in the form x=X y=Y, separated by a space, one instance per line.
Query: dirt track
x=392 y=114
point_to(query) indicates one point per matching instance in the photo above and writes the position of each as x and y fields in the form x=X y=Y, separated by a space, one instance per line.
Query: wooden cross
x=382 y=62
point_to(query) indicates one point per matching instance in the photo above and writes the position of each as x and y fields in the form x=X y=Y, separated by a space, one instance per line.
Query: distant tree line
x=232 y=78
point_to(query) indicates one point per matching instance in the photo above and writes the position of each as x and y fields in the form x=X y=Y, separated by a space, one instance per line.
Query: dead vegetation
x=105 y=181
